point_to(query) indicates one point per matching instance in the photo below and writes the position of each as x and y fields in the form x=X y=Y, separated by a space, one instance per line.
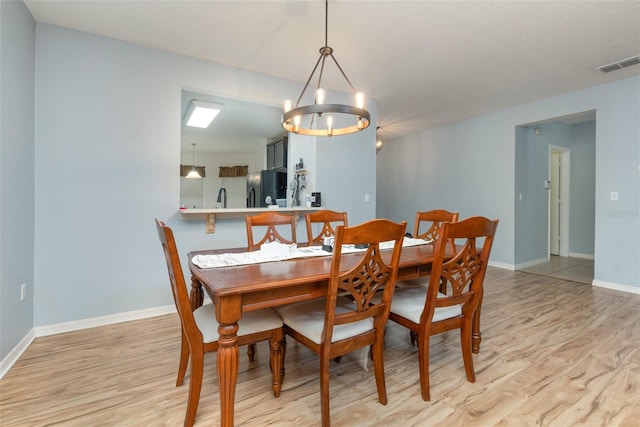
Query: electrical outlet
x=23 y=292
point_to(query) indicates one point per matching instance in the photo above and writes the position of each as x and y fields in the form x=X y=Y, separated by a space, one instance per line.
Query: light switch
x=366 y=197
x=614 y=196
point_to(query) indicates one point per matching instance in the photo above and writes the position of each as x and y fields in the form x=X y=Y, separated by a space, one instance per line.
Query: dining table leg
x=228 y=315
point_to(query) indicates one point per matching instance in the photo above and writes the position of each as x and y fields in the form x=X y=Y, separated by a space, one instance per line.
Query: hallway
x=575 y=269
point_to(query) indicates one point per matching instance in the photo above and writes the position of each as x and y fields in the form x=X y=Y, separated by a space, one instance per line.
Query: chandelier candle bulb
x=360 y=100
x=329 y=125
x=287 y=105
x=320 y=96
x=296 y=123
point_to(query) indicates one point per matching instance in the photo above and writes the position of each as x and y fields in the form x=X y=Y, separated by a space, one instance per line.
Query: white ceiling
x=426 y=62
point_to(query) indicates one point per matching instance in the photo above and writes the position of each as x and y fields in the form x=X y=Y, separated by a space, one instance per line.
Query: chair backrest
x=178 y=284
x=329 y=219
x=435 y=218
x=274 y=223
x=363 y=276
x=464 y=272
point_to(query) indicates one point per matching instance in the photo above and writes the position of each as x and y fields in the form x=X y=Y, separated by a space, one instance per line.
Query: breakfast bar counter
x=209 y=215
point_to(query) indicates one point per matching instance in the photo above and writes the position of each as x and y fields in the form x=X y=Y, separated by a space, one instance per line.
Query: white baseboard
x=583 y=256
x=16 y=352
x=616 y=286
x=531 y=263
x=502 y=265
x=59 y=328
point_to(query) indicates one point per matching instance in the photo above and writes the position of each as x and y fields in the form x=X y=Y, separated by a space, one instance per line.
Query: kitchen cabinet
x=277 y=154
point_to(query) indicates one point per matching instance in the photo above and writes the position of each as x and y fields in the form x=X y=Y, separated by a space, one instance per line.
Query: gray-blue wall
x=107 y=151
x=471 y=167
x=17 y=59
x=83 y=196
x=583 y=189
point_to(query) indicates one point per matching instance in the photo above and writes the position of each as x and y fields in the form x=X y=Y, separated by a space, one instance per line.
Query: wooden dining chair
x=329 y=220
x=426 y=311
x=200 y=329
x=433 y=220
x=275 y=224
x=337 y=324
x=428 y=226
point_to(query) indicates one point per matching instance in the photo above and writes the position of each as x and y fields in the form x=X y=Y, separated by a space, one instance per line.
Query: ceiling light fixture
x=300 y=120
x=200 y=114
x=193 y=173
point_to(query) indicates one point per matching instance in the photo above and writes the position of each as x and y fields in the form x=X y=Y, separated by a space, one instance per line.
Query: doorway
x=557 y=219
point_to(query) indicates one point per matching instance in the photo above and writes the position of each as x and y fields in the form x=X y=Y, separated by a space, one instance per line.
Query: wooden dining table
x=237 y=289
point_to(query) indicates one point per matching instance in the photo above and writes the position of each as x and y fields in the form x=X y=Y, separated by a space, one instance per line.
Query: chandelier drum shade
x=320 y=118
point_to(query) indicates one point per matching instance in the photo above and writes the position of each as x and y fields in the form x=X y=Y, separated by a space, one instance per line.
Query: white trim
x=502 y=265
x=582 y=256
x=616 y=286
x=531 y=263
x=16 y=352
x=59 y=328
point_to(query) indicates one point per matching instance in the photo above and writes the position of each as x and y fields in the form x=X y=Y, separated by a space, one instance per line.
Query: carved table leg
x=476 y=336
x=277 y=363
x=197 y=295
x=227 y=371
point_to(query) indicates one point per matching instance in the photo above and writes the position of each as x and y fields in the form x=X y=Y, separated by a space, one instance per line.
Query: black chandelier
x=339 y=119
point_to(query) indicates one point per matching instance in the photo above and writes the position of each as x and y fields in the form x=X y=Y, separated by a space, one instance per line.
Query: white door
x=554 y=203
x=559 y=161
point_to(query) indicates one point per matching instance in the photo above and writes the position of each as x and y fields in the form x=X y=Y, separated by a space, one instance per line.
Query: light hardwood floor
x=554 y=353
x=575 y=269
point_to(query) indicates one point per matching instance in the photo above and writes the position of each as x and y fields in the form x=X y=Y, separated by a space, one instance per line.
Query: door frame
x=564 y=187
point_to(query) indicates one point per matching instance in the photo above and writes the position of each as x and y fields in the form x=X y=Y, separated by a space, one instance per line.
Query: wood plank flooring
x=575 y=269
x=554 y=353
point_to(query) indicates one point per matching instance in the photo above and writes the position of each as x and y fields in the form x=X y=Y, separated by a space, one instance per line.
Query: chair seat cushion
x=409 y=301
x=307 y=318
x=251 y=322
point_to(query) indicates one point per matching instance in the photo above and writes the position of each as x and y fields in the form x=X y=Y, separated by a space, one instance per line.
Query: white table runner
x=275 y=251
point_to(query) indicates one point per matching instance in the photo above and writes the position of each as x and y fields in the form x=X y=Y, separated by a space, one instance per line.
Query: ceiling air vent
x=619 y=65
x=631 y=61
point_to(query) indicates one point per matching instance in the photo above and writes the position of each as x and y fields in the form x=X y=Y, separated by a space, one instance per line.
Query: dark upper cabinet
x=277 y=154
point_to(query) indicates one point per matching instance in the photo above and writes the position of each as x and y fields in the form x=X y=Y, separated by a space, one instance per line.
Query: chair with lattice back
x=338 y=324
x=434 y=219
x=426 y=311
x=278 y=227
x=329 y=220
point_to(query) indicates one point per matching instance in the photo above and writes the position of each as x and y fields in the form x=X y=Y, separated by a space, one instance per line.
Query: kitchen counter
x=209 y=215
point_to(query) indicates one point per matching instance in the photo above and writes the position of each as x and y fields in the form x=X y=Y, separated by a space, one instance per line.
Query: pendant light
x=318 y=119
x=193 y=173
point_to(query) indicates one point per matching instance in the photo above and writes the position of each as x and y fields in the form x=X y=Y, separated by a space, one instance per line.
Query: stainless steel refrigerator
x=265 y=183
